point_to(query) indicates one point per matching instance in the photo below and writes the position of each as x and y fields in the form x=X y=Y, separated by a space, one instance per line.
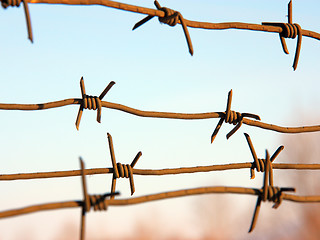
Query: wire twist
x=121 y=170
x=91 y=102
x=268 y=191
x=232 y=117
x=259 y=163
x=16 y=3
x=98 y=203
x=171 y=17
x=289 y=30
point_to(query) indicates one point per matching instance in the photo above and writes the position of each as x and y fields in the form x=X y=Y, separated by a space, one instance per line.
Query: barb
x=91 y=102
x=170 y=115
x=16 y=3
x=259 y=163
x=232 y=117
x=155 y=197
x=171 y=18
x=289 y=30
x=268 y=192
x=96 y=201
x=121 y=170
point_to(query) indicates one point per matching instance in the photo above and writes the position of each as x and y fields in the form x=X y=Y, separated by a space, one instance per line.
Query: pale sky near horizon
x=153 y=71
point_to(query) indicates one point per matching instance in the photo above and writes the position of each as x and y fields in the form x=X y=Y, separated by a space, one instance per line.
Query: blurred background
x=154 y=71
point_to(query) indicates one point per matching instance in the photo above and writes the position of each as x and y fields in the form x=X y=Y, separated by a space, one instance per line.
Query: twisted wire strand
x=121 y=170
x=155 y=197
x=155 y=172
x=169 y=115
x=189 y=23
x=162 y=13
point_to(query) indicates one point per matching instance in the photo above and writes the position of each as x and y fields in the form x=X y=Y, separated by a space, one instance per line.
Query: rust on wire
x=289 y=30
x=234 y=117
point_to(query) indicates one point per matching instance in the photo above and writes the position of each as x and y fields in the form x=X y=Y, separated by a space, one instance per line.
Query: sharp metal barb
x=141 y=22
x=106 y=90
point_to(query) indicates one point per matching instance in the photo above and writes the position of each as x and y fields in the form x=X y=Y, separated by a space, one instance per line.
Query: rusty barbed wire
x=289 y=30
x=100 y=202
x=171 y=17
x=155 y=197
x=232 y=117
x=126 y=170
x=121 y=170
x=229 y=116
x=268 y=191
x=91 y=102
x=259 y=163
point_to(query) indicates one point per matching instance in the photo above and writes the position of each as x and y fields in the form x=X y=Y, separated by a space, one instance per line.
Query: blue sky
x=153 y=71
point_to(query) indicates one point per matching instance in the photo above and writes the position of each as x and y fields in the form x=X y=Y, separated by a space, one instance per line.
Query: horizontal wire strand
x=159 y=172
x=155 y=197
x=189 y=23
x=154 y=114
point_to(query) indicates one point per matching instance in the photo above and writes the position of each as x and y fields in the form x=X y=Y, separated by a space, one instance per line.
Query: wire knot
x=232 y=117
x=260 y=163
x=121 y=170
x=268 y=192
x=289 y=30
x=171 y=17
x=98 y=202
x=274 y=194
x=91 y=102
x=12 y=3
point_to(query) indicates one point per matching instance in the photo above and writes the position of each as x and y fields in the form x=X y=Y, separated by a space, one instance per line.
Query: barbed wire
x=172 y=17
x=101 y=201
x=257 y=164
x=95 y=103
